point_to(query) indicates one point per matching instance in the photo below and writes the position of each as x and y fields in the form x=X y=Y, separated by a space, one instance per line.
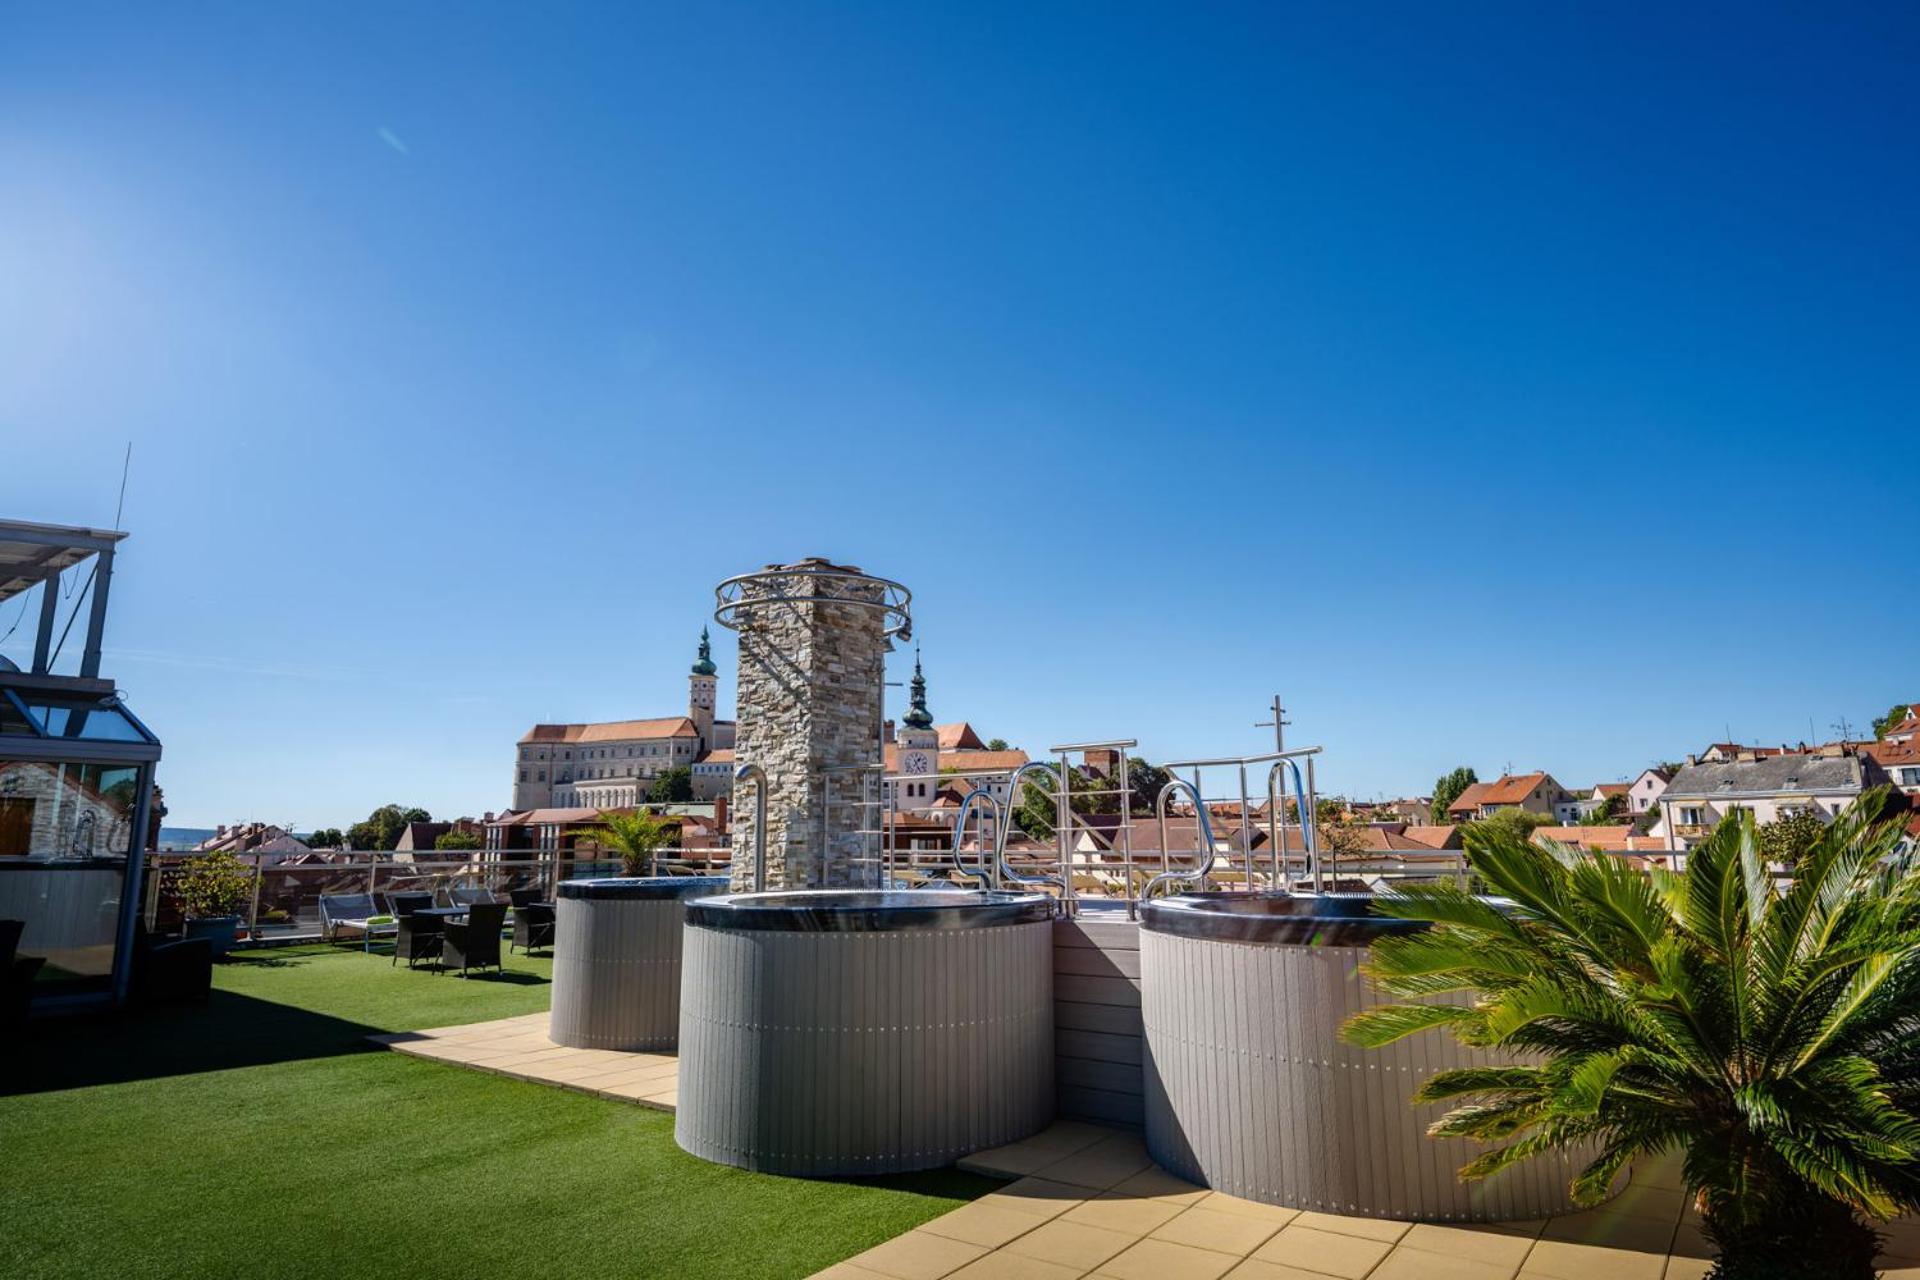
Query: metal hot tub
x=837 y=1032
x=616 y=960
x=1250 y=1089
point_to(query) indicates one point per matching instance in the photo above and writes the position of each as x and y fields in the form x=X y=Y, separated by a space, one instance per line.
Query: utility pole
x=1278 y=724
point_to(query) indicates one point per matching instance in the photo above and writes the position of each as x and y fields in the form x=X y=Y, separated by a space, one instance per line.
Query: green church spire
x=918 y=717
x=705 y=667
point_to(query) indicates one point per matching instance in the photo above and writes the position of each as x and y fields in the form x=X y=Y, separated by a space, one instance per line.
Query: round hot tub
x=840 y=1032
x=1250 y=1089
x=616 y=960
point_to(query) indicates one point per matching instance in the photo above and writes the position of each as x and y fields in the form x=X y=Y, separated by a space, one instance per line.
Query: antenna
x=1278 y=724
x=126 y=464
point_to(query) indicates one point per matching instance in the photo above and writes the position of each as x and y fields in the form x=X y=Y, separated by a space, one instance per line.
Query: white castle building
x=612 y=764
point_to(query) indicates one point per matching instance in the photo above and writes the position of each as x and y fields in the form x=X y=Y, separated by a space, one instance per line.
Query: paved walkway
x=519 y=1047
x=1083 y=1200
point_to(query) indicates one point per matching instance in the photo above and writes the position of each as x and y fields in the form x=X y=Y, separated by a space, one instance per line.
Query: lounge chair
x=356 y=911
x=474 y=943
x=532 y=927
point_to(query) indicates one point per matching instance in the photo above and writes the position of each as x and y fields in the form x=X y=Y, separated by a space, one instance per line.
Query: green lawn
x=259 y=1136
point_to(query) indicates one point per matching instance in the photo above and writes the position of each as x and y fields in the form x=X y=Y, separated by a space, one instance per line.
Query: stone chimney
x=813 y=645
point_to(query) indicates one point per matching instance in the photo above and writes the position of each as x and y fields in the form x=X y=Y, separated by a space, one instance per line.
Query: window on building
x=1690 y=816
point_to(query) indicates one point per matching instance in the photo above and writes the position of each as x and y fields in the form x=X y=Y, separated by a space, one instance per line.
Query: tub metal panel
x=616 y=968
x=1250 y=1090
x=834 y=1053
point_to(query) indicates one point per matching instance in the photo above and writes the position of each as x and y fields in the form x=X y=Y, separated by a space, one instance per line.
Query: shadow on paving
x=228 y=1030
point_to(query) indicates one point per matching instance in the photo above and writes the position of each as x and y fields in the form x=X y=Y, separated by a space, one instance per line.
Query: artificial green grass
x=260 y=1136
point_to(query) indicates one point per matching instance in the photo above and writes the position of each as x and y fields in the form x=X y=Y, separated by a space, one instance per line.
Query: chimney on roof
x=886 y=731
x=1692 y=759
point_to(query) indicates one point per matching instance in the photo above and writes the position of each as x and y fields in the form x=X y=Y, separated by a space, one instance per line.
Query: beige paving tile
x=1697 y=1269
x=1325 y=1251
x=1156 y=1183
x=1220 y=1202
x=1570 y=1260
x=918 y=1255
x=1110 y=1161
x=1235 y=1233
x=1501 y=1248
x=1013 y=1266
x=1383 y=1229
x=1615 y=1230
x=846 y=1271
x=1041 y=1197
x=1071 y=1244
x=1254 y=1269
x=1129 y=1214
x=982 y=1224
x=1165 y=1260
x=1665 y=1171
x=1644 y=1201
x=1029 y=1155
x=1418 y=1264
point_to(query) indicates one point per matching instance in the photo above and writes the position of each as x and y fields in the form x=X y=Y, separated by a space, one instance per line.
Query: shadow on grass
x=228 y=1030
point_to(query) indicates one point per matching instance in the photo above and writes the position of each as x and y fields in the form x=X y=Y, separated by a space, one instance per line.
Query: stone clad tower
x=700 y=692
x=813 y=644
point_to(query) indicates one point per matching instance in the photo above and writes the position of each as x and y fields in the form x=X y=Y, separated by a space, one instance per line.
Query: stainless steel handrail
x=758 y=777
x=1006 y=872
x=1277 y=822
x=985 y=871
x=1203 y=832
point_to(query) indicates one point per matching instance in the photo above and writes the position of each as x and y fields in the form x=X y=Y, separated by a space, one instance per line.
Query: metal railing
x=283 y=904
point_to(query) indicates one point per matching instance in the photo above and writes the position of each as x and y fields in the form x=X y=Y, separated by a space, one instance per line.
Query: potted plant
x=212 y=887
x=1762 y=1033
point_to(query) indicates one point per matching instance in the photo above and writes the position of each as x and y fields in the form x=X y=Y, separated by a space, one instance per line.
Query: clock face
x=916 y=762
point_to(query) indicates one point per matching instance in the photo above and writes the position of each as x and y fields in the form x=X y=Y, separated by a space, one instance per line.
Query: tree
x=214 y=884
x=1787 y=839
x=675 y=786
x=1900 y=711
x=326 y=838
x=1510 y=821
x=635 y=838
x=458 y=840
x=383 y=826
x=1447 y=789
x=998 y=744
x=1144 y=785
x=1607 y=813
x=1765 y=1034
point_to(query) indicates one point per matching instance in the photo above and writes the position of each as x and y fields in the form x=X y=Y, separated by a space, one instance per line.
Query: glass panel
x=65 y=833
x=89 y=721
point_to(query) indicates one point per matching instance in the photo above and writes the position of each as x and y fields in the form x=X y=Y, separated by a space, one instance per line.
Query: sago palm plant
x=1769 y=1036
x=635 y=838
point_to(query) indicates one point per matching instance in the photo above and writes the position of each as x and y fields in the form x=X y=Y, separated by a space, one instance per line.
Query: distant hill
x=183 y=837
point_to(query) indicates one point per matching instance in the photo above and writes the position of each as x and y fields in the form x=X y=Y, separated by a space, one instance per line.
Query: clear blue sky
x=1528 y=384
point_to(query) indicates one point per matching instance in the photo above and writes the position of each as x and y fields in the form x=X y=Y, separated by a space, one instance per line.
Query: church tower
x=919 y=744
x=700 y=690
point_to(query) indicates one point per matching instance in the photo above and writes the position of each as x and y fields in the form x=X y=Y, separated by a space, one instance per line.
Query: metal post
x=755 y=774
x=49 y=615
x=97 y=619
x=253 y=915
x=1246 y=829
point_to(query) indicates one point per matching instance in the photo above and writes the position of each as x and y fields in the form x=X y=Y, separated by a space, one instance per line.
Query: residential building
x=1773 y=786
x=921 y=747
x=1534 y=792
x=612 y=764
x=253 y=838
x=1898 y=752
x=1644 y=791
x=421 y=837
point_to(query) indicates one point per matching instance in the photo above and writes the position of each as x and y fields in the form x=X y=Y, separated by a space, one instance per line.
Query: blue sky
x=1526 y=385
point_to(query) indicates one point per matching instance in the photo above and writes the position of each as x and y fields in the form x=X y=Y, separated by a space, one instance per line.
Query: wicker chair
x=532 y=927
x=474 y=943
x=418 y=936
x=523 y=897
